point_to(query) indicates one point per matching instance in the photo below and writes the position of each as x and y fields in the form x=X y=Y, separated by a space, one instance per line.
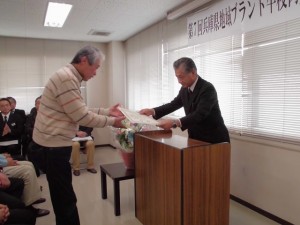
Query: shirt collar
x=192 y=87
x=7 y=115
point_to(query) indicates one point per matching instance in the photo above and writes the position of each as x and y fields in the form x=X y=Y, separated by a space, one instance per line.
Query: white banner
x=239 y=16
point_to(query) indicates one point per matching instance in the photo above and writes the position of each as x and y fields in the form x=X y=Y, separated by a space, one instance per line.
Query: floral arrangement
x=124 y=136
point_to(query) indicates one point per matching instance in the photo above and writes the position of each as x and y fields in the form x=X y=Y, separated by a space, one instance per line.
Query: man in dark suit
x=19 y=112
x=11 y=128
x=22 y=115
x=200 y=101
x=29 y=126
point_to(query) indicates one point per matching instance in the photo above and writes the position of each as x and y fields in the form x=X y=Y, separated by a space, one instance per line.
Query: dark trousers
x=13 y=150
x=11 y=196
x=55 y=163
x=32 y=158
x=21 y=217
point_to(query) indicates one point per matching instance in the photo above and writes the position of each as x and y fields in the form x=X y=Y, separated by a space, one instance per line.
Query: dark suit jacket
x=29 y=124
x=203 y=116
x=16 y=125
x=20 y=113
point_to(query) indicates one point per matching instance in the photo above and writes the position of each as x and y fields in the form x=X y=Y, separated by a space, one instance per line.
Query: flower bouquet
x=123 y=138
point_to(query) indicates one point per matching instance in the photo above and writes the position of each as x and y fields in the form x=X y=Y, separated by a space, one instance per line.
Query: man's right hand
x=147 y=112
x=4 y=213
x=115 y=111
x=118 y=122
x=6 y=130
x=11 y=161
x=81 y=134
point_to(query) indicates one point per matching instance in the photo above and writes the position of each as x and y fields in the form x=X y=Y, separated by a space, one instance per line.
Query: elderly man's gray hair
x=91 y=53
x=188 y=64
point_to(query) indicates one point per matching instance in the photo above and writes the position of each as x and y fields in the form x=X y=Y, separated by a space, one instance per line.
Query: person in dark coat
x=22 y=115
x=11 y=129
x=12 y=209
x=199 y=98
x=29 y=125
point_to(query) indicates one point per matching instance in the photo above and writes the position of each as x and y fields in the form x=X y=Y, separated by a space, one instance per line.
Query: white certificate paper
x=135 y=117
x=88 y=138
x=7 y=143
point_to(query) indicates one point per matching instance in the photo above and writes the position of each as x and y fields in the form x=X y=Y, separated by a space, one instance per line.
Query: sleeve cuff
x=153 y=112
x=110 y=121
x=179 y=123
x=103 y=111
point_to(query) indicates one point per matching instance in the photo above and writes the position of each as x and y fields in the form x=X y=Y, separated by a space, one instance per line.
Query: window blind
x=144 y=80
x=271 y=78
x=256 y=75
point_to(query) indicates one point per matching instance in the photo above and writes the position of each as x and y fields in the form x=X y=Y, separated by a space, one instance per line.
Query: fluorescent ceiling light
x=186 y=9
x=57 y=14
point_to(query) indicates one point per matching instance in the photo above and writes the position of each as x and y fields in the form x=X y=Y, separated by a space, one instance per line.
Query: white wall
x=97 y=95
x=117 y=73
x=266 y=174
x=29 y=63
x=116 y=79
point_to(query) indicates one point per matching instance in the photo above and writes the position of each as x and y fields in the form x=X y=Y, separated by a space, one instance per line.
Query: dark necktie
x=5 y=119
x=190 y=92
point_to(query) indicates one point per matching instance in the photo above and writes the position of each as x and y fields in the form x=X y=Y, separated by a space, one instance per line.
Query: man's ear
x=194 y=72
x=84 y=59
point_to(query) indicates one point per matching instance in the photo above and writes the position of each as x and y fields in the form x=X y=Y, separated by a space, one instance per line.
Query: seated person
x=36 y=107
x=89 y=149
x=19 y=112
x=11 y=128
x=10 y=192
x=16 y=216
x=29 y=125
x=24 y=170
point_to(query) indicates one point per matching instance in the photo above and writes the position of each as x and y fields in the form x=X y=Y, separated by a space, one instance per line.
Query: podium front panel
x=181 y=181
x=206 y=185
x=157 y=182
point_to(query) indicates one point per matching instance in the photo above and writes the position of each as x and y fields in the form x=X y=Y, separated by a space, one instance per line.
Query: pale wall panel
x=27 y=64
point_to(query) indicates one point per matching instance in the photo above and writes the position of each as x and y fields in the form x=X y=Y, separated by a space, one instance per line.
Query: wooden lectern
x=180 y=181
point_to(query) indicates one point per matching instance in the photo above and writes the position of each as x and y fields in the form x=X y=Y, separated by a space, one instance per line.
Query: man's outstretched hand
x=114 y=111
x=147 y=112
x=118 y=122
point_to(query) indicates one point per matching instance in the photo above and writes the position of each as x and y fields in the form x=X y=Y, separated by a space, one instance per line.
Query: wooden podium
x=180 y=181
